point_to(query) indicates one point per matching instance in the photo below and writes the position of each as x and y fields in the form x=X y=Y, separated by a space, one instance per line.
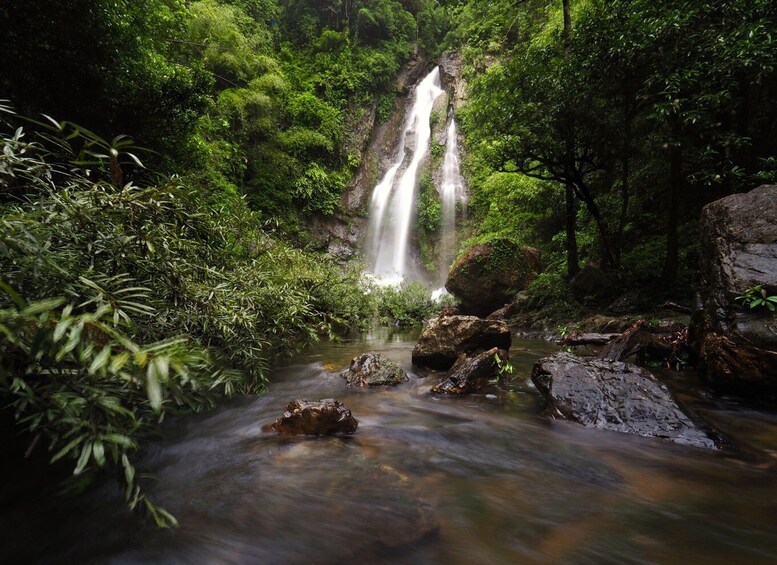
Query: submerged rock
x=373 y=369
x=443 y=340
x=315 y=418
x=470 y=374
x=739 y=251
x=487 y=276
x=613 y=395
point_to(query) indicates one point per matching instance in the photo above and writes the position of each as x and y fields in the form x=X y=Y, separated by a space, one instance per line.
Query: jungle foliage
x=602 y=140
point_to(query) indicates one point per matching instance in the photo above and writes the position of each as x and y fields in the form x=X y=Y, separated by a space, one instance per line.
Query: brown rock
x=315 y=418
x=443 y=340
x=470 y=374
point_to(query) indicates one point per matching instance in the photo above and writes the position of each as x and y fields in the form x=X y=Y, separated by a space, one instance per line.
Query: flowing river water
x=478 y=479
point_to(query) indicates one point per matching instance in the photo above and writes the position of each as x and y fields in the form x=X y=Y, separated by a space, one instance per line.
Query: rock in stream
x=444 y=339
x=470 y=374
x=613 y=395
x=373 y=369
x=315 y=418
x=739 y=250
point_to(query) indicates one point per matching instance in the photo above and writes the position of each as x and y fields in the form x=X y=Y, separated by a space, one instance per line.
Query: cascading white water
x=451 y=192
x=393 y=199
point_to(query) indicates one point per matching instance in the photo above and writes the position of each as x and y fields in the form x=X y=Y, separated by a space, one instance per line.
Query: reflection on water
x=480 y=479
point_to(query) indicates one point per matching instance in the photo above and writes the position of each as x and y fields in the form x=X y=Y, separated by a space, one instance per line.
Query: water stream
x=479 y=479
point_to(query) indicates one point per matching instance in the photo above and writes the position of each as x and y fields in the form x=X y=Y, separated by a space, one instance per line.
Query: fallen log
x=588 y=339
x=676 y=307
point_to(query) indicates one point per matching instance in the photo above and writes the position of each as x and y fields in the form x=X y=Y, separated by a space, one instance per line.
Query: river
x=479 y=479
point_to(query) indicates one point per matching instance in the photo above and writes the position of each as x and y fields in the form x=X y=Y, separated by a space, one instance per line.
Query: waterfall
x=451 y=192
x=393 y=199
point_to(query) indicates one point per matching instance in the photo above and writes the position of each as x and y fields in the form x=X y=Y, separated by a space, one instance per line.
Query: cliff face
x=452 y=81
x=375 y=145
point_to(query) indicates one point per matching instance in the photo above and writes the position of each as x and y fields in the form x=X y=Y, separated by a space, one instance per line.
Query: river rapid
x=479 y=479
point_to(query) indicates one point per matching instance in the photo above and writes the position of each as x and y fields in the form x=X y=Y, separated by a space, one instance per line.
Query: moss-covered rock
x=488 y=275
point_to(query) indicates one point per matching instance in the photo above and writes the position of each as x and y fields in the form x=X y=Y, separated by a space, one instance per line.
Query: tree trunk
x=573 y=263
x=608 y=259
x=567 y=33
x=675 y=181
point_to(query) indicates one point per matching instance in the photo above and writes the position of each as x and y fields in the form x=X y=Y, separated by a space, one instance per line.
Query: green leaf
x=68 y=448
x=129 y=470
x=98 y=449
x=100 y=361
x=43 y=306
x=13 y=295
x=83 y=460
x=153 y=389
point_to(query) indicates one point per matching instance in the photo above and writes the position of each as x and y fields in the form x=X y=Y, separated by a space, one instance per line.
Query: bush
x=408 y=304
x=121 y=303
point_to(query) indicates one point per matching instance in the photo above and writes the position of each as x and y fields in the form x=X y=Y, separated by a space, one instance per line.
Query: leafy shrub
x=120 y=304
x=407 y=304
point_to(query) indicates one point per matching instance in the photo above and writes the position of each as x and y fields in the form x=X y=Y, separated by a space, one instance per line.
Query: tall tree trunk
x=567 y=32
x=584 y=194
x=573 y=263
x=675 y=181
x=625 y=188
x=618 y=243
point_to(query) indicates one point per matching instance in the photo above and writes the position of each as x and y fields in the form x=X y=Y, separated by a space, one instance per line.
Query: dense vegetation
x=129 y=292
x=141 y=281
x=601 y=136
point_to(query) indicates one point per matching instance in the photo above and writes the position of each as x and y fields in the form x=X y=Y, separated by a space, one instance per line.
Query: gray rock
x=315 y=418
x=614 y=396
x=470 y=374
x=373 y=369
x=444 y=339
x=739 y=250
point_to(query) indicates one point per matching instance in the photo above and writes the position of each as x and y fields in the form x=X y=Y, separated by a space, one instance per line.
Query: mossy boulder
x=488 y=275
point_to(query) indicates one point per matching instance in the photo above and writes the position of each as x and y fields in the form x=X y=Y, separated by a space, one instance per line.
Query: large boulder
x=470 y=374
x=315 y=418
x=613 y=395
x=373 y=369
x=444 y=339
x=739 y=250
x=488 y=275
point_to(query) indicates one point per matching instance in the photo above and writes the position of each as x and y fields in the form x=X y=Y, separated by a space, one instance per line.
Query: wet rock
x=614 y=396
x=315 y=418
x=443 y=340
x=487 y=276
x=470 y=374
x=519 y=304
x=739 y=250
x=373 y=369
x=451 y=77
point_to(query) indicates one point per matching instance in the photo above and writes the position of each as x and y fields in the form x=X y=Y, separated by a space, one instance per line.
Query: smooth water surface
x=480 y=479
